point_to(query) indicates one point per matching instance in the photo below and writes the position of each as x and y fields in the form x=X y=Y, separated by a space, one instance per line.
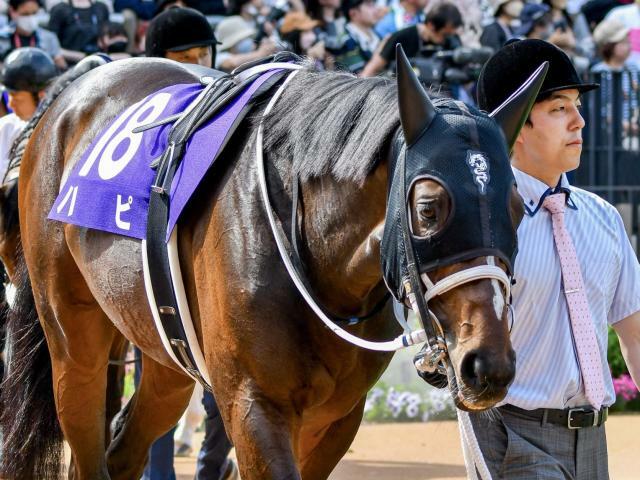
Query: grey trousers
x=517 y=447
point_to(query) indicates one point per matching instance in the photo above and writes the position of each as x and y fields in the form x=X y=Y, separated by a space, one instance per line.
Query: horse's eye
x=426 y=212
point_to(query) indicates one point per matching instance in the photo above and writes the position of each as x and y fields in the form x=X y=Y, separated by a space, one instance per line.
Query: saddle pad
x=108 y=189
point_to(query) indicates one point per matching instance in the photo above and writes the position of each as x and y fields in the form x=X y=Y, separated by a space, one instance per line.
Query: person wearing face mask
x=441 y=23
x=237 y=44
x=24 y=31
x=77 y=25
x=113 y=41
x=497 y=33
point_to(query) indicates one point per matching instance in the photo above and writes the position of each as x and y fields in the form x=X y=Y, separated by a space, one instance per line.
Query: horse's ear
x=513 y=112
x=416 y=109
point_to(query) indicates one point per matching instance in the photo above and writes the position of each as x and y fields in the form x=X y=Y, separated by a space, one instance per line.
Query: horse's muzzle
x=486 y=377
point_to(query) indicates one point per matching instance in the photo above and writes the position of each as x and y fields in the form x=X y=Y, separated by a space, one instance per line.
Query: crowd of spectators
x=354 y=35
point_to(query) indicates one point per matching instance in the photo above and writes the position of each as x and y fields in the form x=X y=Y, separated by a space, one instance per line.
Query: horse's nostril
x=469 y=368
x=480 y=371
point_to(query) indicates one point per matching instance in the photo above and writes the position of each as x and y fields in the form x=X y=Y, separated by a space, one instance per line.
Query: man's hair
x=14 y=4
x=444 y=14
x=112 y=29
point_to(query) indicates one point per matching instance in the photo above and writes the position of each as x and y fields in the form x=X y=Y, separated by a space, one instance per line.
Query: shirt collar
x=533 y=191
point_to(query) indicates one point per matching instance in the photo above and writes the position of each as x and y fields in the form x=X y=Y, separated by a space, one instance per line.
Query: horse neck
x=341 y=233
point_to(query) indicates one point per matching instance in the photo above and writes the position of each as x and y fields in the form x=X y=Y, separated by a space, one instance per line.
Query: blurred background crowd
x=447 y=41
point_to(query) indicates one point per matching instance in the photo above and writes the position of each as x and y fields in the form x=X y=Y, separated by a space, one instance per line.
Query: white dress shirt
x=547 y=371
x=10 y=128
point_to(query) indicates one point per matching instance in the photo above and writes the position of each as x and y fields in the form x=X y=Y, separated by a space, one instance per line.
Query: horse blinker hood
x=464 y=150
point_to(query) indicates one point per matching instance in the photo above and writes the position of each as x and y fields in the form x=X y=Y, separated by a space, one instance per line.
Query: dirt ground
x=418 y=451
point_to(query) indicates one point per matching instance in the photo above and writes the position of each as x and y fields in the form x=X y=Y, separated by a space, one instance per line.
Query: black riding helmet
x=28 y=69
x=515 y=61
x=178 y=29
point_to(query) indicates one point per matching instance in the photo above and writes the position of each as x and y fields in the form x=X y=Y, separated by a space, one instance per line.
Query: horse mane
x=328 y=123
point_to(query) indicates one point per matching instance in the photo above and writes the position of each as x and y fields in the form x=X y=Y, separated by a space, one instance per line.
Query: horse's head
x=451 y=233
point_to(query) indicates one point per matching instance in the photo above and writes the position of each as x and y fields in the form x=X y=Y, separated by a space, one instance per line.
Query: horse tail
x=32 y=440
x=53 y=91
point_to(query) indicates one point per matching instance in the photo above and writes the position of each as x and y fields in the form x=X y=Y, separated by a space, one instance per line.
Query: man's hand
x=628 y=330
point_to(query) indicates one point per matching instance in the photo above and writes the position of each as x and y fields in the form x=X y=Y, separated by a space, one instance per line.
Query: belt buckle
x=583 y=410
x=570 y=417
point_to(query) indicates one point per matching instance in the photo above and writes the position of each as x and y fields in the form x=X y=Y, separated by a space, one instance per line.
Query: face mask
x=117 y=47
x=27 y=23
x=245 y=46
x=251 y=10
x=513 y=8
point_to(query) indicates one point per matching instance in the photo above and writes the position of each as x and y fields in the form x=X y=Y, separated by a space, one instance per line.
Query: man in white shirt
x=576 y=274
x=26 y=73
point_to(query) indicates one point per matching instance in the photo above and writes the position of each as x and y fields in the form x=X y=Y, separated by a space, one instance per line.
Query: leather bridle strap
x=405 y=340
x=397 y=343
x=472 y=274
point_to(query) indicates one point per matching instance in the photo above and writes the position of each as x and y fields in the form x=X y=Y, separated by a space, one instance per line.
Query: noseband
x=433 y=356
x=431 y=331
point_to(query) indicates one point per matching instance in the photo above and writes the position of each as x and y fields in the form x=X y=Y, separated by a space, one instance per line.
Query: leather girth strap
x=213 y=99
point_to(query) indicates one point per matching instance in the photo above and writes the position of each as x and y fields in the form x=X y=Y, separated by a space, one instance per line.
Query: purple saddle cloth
x=108 y=189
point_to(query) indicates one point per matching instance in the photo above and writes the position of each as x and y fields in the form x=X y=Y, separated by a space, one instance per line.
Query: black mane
x=332 y=124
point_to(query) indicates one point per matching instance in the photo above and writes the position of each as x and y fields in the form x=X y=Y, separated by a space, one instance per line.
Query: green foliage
x=614 y=355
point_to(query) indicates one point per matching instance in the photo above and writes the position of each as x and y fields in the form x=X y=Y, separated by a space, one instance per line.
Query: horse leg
x=156 y=406
x=263 y=439
x=79 y=357
x=115 y=382
x=335 y=442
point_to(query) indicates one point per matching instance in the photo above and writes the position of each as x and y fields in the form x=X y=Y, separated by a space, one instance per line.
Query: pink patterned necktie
x=581 y=324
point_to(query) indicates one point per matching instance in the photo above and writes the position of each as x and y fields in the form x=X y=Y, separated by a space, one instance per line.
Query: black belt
x=572 y=418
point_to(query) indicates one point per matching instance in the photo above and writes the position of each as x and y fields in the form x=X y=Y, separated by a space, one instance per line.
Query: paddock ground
x=418 y=451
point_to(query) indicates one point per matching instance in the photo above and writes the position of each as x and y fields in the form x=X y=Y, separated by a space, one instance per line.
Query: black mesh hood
x=466 y=152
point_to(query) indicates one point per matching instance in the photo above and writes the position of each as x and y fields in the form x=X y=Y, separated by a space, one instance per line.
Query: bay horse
x=290 y=392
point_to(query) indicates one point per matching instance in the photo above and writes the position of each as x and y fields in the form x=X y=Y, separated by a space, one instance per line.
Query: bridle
x=431 y=330
x=435 y=349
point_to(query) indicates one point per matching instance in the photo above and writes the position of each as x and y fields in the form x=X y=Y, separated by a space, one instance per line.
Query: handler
x=184 y=35
x=26 y=74
x=576 y=274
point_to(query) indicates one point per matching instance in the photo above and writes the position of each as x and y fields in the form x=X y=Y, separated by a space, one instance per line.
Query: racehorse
x=291 y=393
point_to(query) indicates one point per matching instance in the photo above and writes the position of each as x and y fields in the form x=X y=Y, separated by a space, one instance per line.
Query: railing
x=610 y=164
